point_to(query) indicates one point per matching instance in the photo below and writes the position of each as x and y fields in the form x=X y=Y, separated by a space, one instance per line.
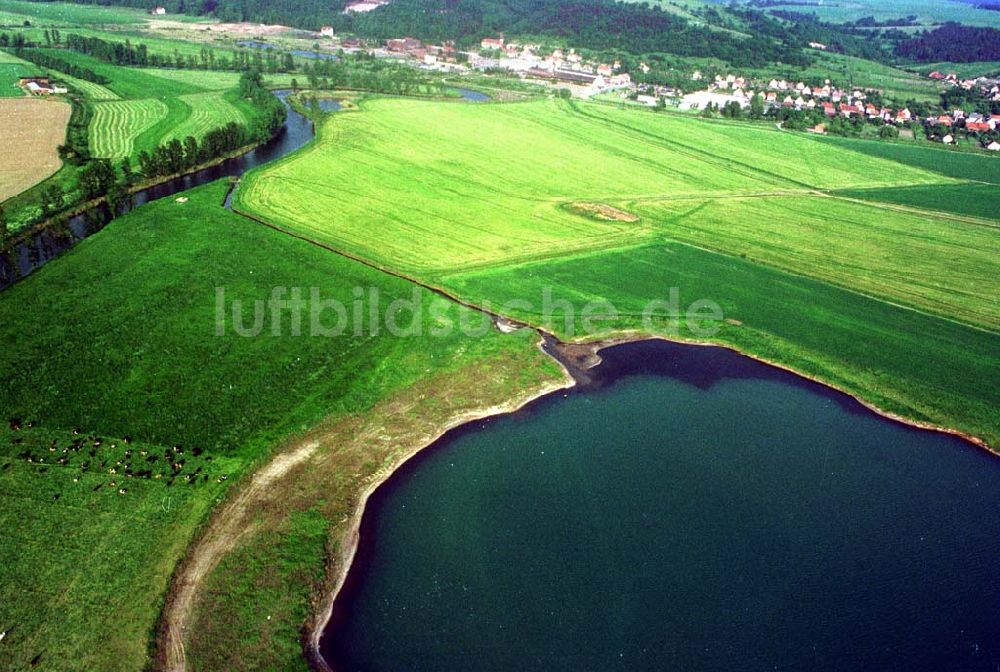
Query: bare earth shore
x=233 y=520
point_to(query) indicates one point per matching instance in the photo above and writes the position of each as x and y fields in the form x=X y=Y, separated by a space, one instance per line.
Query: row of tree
x=176 y=156
x=49 y=60
x=138 y=55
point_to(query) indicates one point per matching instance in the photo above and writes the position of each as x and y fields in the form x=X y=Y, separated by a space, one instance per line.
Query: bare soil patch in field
x=601 y=211
x=33 y=129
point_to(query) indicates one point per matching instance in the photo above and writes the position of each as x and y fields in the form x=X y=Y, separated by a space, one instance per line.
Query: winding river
x=691 y=509
x=49 y=243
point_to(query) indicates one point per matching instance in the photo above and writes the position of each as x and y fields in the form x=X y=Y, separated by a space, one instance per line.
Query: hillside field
x=483 y=201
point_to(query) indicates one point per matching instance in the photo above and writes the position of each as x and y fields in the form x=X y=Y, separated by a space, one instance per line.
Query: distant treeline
x=55 y=63
x=953 y=42
x=128 y=54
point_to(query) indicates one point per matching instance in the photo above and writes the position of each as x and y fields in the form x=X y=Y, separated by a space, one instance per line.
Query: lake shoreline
x=344 y=560
x=595 y=347
x=576 y=359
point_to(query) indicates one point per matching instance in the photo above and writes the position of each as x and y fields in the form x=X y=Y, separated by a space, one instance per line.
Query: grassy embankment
x=118 y=339
x=871 y=299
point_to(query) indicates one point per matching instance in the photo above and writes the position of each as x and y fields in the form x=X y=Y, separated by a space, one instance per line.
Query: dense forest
x=953 y=42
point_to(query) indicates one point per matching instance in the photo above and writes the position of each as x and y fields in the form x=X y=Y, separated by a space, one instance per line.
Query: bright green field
x=959 y=165
x=208 y=111
x=856 y=246
x=475 y=185
x=973 y=200
x=14 y=12
x=117 y=124
x=141 y=108
x=474 y=201
x=9 y=74
x=118 y=338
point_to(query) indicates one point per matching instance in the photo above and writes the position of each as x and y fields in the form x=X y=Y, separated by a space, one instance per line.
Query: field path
x=222 y=533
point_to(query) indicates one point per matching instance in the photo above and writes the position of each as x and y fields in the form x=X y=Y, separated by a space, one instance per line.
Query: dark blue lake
x=696 y=510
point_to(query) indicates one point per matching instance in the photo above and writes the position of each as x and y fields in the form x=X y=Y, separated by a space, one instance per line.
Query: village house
x=604 y=69
x=621 y=79
x=945 y=120
x=493 y=43
x=326 y=31
x=403 y=45
x=40 y=86
x=977 y=126
x=158 y=11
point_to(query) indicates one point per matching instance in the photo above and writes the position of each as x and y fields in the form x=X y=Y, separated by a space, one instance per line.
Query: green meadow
x=959 y=165
x=481 y=185
x=142 y=108
x=118 y=339
x=499 y=202
x=850 y=244
x=12 y=69
x=15 y=12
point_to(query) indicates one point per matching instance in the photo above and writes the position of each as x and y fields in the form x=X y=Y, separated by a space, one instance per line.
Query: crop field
x=973 y=199
x=90 y=90
x=476 y=201
x=118 y=124
x=856 y=246
x=9 y=74
x=84 y=341
x=33 y=128
x=140 y=109
x=959 y=165
x=208 y=111
x=485 y=184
